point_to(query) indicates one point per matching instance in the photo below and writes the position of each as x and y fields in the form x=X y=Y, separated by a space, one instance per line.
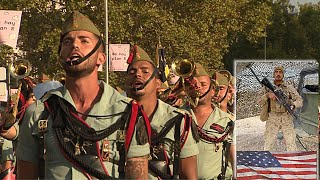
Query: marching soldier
x=9 y=130
x=172 y=143
x=214 y=127
x=84 y=129
x=278 y=116
x=224 y=95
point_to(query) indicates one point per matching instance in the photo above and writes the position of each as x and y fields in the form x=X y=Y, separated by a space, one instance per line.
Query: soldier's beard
x=80 y=70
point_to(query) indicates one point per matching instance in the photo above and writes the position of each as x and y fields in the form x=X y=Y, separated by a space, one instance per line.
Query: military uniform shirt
x=210 y=154
x=57 y=166
x=164 y=113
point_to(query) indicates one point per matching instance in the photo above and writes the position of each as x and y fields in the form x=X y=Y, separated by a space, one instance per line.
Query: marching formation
x=85 y=129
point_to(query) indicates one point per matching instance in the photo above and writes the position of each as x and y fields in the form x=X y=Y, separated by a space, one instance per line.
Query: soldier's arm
x=188 y=168
x=27 y=170
x=137 y=168
x=27 y=151
x=10 y=134
x=296 y=98
x=232 y=154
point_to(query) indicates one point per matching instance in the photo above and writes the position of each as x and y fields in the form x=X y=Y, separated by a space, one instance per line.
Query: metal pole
x=265 y=43
x=106 y=45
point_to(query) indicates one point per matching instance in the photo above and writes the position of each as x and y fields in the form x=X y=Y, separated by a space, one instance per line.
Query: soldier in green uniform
x=225 y=82
x=278 y=116
x=85 y=129
x=7 y=158
x=9 y=129
x=225 y=92
x=214 y=127
x=172 y=141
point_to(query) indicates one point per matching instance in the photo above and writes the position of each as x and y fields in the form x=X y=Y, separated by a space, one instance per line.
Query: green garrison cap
x=79 y=22
x=221 y=79
x=138 y=54
x=199 y=71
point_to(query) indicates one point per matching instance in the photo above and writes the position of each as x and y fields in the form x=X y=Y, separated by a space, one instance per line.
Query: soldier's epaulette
x=127 y=100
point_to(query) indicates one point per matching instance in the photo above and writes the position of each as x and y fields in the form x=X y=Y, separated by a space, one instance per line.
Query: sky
x=294 y=2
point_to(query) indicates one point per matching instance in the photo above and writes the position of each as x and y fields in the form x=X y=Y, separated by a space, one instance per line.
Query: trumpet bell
x=20 y=69
x=183 y=67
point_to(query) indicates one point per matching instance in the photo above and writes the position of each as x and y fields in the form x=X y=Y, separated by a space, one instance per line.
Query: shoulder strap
x=177 y=149
x=42 y=127
x=135 y=111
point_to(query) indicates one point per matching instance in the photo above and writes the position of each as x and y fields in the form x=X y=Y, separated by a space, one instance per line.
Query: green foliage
x=290 y=36
x=205 y=29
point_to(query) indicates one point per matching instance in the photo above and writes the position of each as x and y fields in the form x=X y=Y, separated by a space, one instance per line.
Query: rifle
x=281 y=97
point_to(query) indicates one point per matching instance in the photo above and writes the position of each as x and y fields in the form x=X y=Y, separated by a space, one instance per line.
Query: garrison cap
x=138 y=54
x=233 y=81
x=223 y=77
x=164 y=86
x=199 y=70
x=79 y=22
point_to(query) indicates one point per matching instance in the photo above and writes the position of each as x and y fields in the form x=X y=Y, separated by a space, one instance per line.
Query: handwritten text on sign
x=9 y=27
x=119 y=54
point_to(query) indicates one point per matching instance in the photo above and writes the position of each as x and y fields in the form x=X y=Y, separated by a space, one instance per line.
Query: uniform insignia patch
x=105 y=150
x=42 y=125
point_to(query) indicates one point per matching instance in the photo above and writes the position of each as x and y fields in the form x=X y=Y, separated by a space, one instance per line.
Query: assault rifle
x=281 y=97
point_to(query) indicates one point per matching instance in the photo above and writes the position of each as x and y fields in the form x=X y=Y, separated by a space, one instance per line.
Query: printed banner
x=9 y=27
x=119 y=54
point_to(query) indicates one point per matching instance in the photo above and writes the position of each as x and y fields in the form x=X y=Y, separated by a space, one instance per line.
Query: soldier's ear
x=159 y=83
x=101 y=58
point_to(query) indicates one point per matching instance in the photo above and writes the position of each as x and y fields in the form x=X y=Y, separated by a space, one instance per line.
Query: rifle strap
x=177 y=149
x=224 y=159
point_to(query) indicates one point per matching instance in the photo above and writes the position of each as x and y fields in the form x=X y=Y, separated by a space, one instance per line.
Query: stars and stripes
x=276 y=165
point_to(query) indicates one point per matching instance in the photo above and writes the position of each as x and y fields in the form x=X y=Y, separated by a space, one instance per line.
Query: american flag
x=276 y=165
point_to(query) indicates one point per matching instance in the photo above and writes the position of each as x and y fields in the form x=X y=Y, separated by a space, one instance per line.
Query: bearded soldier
x=278 y=117
x=172 y=143
x=84 y=129
x=214 y=127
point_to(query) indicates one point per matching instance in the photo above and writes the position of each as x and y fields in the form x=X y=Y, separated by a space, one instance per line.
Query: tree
x=289 y=36
x=205 y=29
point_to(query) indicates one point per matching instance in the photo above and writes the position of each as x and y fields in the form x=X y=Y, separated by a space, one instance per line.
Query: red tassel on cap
x=130 y=58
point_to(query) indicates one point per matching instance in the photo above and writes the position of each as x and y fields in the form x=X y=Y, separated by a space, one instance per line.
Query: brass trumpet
x=183 y=68
x=20 y=69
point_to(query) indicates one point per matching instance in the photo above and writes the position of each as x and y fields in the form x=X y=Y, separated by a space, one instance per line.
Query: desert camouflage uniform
x=279 y=118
